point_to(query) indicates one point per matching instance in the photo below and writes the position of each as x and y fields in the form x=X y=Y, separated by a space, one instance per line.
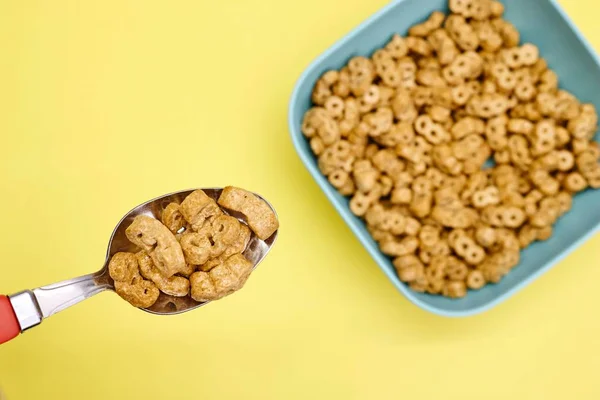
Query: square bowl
x=541 y=22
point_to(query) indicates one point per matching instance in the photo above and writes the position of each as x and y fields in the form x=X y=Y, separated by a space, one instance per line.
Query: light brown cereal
x=575 y=182
x=171 y=217
x=435 y=20
x=455 y=289
x=397 y=47
x=424 y=116
x=212 y=244
x=443 y=45
x=544 y=233
x=222 y=280
x=475 y=280
x=123 y=269
x=409 y=268
x=175 y=286
x=261 y=218
x=489 y=196
x=152 y=236
x=485 y=236
x=197 y=207
x=227 y=236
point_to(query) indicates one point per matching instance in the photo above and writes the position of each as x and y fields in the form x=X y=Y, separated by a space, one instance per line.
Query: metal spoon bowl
x=33 y=306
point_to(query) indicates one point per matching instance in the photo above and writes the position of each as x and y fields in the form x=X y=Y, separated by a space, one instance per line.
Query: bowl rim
x=351 y=221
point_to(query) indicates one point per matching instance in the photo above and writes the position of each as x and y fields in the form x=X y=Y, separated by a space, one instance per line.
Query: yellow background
x=105 y=104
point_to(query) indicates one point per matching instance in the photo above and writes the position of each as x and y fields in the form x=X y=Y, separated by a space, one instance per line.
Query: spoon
x=26 y=309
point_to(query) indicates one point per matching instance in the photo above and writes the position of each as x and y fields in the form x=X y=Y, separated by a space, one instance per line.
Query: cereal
x=172 y=218
x=222 y=280
x=475 y=280
x=151 y=235
x=196 y=247
x=408 y=245
x=123 y=269
x=409 y=267
x=194 y=235
x=454 y=289
x=175 y=286
x=261 y=218
x=197 y=207
x=423 y=117
x=434 y=21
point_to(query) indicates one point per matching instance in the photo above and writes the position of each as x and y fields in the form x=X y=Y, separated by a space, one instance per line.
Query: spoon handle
x=29 y=307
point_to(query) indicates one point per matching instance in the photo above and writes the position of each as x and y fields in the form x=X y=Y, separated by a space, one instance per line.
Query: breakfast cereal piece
x=527 y=235
x=488 y=105
x=565 y=201
x=409 y=268
x=510 y=35
x=429 y=236
x=461 y=32
x=155 y=238
x=393 y=222
x=350 y=118
x=323 y=87
x=475 y=280
x=337 y=156
x=196 y=247
x=467 y=126
x=585 y=125
x=466 y=248
x=123 y=269
x=547 y=214
x=513 y=198
x=197 y=208
x=334 y=105
x=222 y=280
x=463 y=217
x=485 y=236
x=455 y=289
x=489 y=39
x=229 y=237
x=456 y=270
x=360 y=202
x=435 y=20
x=433 y=132
x=362 y=73
x=340 y=179
x=190 y=269
x=405 y=246
x=216 y=241
x=175 y=286
x=397 y=47
x=421 y=204
x=171 y=217
x=430 y=77
x=497 y=265
x=419 y=46
x=436 y=270
x=261 y=218
x=489 y=196
x=513 y=217
x=443 y=45
x=575 y=182
x=544 y=233
x=312 y=121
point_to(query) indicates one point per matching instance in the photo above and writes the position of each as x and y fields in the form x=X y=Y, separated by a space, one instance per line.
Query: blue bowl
x=541 y=22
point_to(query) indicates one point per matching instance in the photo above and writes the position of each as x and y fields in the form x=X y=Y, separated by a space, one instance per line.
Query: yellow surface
x=108 y=103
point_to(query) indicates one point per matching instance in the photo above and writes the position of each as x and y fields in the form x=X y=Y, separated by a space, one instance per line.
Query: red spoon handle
x=9 y=326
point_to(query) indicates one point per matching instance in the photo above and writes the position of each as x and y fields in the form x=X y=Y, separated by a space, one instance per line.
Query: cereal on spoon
x=406 y=132
x=196 y=249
